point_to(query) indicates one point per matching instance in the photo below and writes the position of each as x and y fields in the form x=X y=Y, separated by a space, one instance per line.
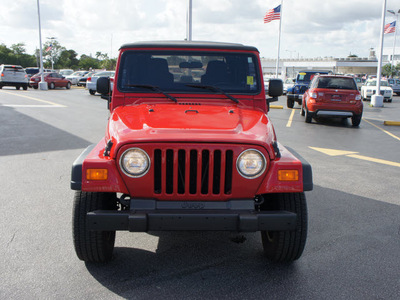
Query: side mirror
x=103 y=85
x=275 y=88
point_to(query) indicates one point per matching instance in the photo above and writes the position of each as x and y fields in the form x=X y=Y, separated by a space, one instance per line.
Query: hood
x=187 y=123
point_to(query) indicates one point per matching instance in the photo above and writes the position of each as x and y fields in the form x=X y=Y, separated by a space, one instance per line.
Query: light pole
x=42 y=83
x=51 y=50
x=395 y=34
x=377 y=98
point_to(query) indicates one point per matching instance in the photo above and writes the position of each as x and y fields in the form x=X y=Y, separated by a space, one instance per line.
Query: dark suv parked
x=296 y=92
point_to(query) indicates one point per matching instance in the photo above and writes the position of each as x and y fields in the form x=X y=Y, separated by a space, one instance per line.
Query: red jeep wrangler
x=189 y=146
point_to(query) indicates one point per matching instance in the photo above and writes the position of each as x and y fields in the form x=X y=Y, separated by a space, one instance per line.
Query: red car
x=189 y=146
x=53 y=80
x=332 y=96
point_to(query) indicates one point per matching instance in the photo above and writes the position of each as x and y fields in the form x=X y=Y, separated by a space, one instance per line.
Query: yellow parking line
x=376 y=160
x=289 y=123
x=385 y=131
x=36 y=99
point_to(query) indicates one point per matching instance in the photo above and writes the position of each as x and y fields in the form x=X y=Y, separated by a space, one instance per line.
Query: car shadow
x=334 y=122
x=22 y=134
x=347 y=240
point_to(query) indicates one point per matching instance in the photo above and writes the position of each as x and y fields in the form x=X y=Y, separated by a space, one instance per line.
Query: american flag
x=49 y=48
x=273 y=14
x=390 y=27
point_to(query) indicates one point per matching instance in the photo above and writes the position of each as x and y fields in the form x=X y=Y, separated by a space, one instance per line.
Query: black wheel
x=390 y=100
x=286 y=246
x=92 y=92
x=51 y=86
x=356 y=120
x=68 y=85
x=290 y=102
x=302 y=112
x=308 y=116
x=25 y=87
x=92 y=246
x=17 y=87
x=35 y=87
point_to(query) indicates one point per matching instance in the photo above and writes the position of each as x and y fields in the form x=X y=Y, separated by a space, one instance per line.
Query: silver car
x=12 y=75
x=91 y=82
x=395 y=85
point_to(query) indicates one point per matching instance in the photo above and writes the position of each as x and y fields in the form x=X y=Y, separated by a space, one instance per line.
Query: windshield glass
x=373 y=83
x=304 y=76
x=175 y=71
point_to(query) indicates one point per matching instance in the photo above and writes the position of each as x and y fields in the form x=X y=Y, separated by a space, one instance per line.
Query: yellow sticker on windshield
x=250 y=80
x=303 y=74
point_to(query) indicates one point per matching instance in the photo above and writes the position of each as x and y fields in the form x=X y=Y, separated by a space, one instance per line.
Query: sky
x=310 y=28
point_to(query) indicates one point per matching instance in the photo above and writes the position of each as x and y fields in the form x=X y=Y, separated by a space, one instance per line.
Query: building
x=348 y=65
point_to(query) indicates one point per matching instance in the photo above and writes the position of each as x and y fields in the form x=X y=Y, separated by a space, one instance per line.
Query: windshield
x=107 y=73
x=373 y=83
x=305 y=77
x=178 y=71
x=79 y=73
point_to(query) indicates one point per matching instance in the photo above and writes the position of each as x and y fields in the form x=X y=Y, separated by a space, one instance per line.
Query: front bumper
x=151 y=215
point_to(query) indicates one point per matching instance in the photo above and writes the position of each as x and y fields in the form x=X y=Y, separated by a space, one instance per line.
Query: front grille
x=193 y=171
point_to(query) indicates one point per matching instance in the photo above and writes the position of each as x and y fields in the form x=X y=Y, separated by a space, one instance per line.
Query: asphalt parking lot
x=352 y=251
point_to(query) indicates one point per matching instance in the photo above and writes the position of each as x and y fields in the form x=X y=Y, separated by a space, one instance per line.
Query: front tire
x=290 y=102
x=92 y=92
x=92 y=246
x=68 y=86
x=286 y=246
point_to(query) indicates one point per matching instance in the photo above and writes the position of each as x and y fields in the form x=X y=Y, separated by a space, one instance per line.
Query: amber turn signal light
x=96 y=174
x=288 y=175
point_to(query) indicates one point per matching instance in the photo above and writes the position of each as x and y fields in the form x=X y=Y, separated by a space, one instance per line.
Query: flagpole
x=279 y=42
x=394 y=48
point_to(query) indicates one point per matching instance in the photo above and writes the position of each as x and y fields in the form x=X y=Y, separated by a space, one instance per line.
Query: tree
x=87 y=62
x=16 y=55
x=388 y=71
x=53 y=55
x=67 y=60
x=108 y=64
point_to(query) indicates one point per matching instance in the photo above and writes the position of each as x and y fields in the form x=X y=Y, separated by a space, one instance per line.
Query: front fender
x=76 y=173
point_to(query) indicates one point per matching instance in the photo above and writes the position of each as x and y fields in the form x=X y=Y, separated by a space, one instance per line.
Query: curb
x=391 y=123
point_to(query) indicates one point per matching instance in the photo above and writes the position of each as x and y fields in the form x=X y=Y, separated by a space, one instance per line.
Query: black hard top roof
x=189 y=45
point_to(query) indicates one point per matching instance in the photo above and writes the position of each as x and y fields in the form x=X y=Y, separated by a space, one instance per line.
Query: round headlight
x=135 y=162
x=251 y=163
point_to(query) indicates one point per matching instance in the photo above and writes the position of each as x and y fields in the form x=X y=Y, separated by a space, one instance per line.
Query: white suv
x=12 y=75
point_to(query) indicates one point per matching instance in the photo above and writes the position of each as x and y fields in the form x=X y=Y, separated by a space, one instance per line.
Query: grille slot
x=192 y=172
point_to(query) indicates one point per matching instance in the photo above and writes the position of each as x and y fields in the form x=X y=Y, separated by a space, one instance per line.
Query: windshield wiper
x=154 y=88
x=214 y=89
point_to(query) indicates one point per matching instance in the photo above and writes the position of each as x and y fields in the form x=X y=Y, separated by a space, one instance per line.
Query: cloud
x=309 y=27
